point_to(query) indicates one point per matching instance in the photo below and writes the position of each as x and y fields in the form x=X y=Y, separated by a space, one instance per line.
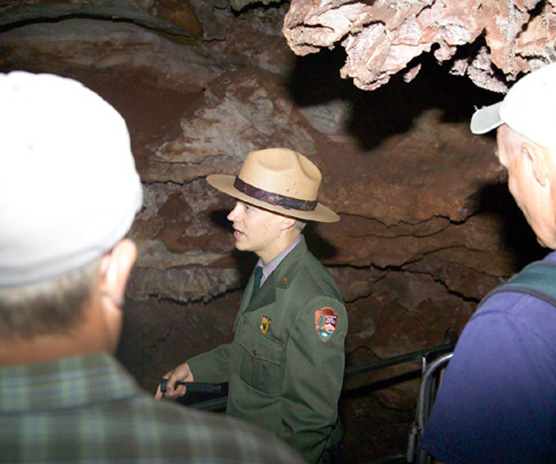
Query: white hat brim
x=486 y=119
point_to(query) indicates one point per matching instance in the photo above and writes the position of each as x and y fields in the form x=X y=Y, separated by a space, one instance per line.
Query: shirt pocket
x=261 y=362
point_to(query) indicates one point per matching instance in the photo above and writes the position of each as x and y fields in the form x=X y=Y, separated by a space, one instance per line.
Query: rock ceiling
x=491 y=42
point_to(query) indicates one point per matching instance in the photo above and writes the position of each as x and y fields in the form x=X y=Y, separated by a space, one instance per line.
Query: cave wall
x=427 y=225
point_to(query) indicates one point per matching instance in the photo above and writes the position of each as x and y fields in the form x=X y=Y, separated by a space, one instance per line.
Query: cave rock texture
x=427 y=225
x=384 y=37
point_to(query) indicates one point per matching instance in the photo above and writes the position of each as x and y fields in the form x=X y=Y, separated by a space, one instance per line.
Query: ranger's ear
x=288 y=222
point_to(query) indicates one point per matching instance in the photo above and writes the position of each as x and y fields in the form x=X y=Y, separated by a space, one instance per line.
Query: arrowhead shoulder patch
x=325 y=323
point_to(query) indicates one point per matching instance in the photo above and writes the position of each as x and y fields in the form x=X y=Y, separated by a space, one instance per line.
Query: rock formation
x=491 y=42
x=424 y=208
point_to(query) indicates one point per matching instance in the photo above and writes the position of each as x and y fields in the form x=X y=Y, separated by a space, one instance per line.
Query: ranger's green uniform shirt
x=285 y=366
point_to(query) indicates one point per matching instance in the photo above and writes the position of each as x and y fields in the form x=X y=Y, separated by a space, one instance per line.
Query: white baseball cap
x=69 y=190
x=529 y=108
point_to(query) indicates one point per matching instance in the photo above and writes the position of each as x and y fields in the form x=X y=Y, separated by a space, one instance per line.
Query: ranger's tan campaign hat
x=279 y=180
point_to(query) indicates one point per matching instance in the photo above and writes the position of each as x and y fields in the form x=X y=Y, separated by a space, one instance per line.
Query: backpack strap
x=537 y=279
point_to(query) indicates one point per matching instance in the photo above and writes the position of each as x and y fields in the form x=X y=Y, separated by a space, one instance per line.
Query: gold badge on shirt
x=265 y=324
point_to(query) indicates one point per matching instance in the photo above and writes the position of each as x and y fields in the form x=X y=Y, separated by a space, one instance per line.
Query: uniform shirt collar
x=274 y=262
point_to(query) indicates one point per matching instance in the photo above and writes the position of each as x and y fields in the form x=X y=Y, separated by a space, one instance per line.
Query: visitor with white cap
x=497 y=401
x=285 y=365
x=69 y=192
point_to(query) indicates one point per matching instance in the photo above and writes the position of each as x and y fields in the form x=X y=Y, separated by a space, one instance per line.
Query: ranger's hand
x=183 y=373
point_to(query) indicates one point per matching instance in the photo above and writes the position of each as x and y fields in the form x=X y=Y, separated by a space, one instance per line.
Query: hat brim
x=486 y=119
x=225 y=183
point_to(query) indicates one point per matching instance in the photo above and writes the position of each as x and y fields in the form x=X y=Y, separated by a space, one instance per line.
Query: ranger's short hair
x=300 y=224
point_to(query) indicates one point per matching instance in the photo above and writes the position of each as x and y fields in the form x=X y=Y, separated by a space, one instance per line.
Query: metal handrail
x=439 y=354
x=425 y=391
x=425 y=399
x=218 y=404
x=414 y=356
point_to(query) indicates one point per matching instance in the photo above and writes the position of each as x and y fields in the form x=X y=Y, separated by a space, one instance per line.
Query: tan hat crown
x=282 y=171
x=280 y=180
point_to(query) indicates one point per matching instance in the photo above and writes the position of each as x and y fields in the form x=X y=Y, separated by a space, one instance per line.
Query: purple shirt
x=497 y=402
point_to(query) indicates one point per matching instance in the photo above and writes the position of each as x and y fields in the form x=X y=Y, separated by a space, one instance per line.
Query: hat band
x=274 y=199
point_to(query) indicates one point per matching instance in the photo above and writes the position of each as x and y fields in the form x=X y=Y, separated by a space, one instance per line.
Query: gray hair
x=53 y=306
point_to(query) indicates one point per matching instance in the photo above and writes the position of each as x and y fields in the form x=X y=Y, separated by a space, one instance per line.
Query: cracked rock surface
x=427 y=224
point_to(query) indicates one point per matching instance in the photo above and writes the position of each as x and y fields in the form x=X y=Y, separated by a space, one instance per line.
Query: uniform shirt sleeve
x=313 y=379
x=496 y=403
x=212 y=366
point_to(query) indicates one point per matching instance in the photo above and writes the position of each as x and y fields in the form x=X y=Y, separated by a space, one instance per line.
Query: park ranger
x=285 y=365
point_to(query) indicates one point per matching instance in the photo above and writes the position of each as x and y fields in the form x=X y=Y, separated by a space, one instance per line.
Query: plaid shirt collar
x=64 y=383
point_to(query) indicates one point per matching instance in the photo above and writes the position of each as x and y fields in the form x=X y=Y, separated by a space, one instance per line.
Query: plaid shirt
x=88 y=409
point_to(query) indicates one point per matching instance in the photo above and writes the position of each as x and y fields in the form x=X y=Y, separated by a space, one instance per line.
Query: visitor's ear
x=536 y=157
x=115 y=269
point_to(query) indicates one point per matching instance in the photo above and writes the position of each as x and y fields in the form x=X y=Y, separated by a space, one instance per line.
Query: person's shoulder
x=522 y=297
x=263 y=446
x=316 y=277
x=522 y=315
x=224 y=439
x=515 y=304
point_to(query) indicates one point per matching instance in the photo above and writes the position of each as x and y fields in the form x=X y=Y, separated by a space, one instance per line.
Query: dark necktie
x=257 y=281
